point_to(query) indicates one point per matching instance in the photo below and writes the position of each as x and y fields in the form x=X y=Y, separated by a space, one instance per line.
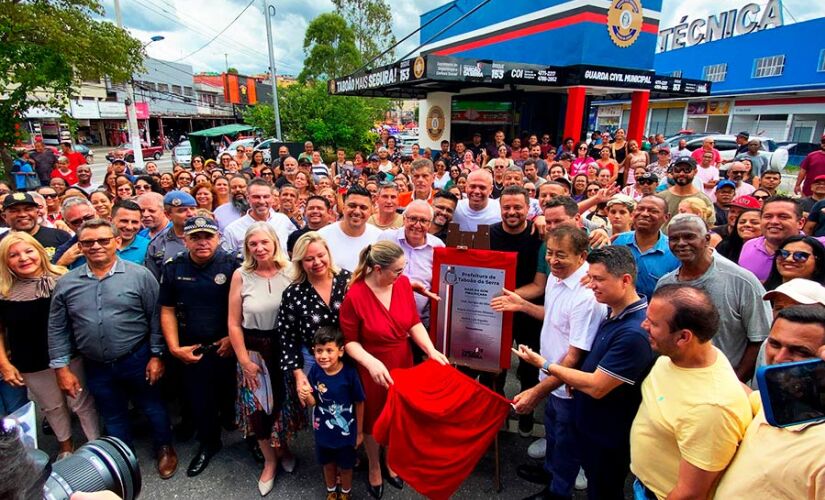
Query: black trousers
x=606 y=467
x=209 y=389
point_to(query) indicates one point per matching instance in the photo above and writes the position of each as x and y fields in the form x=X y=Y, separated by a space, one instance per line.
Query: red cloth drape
x=436 y=424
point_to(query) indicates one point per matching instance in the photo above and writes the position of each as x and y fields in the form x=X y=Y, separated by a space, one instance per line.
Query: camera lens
x=103 y=464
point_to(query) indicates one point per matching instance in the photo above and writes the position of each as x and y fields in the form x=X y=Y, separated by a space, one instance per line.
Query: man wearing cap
x=385 y=165
x=126 y=218
x=741 y=144
x=647 y=182
x=194 y=298
x=20 y=214
x=817 y=195
x=119 y=167
x=648 y=244
x=259 y=195
x=684 y=170
x=725 y=191
x=178 y=206
x=662 y=163
x=812 y=167
x=782 y=462
x=620 y=209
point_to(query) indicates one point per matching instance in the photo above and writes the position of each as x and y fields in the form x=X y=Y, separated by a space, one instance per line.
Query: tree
x=329 y=46
x=261 y=116
x=309 y=112
x=47 y=48
x=232 y=71
x=371 y=21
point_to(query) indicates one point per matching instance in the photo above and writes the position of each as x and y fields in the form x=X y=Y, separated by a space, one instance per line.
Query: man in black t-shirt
x=514 y=234
x=20 y=214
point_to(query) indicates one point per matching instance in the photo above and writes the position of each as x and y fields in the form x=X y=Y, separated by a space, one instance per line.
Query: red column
x=638 y=115
x=575 y=113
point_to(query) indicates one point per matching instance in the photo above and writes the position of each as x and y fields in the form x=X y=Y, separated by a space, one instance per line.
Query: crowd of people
x=268 y=297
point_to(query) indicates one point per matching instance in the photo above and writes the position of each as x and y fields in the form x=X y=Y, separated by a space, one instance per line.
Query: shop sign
x=746 y=19
x=709 y=108
x=681 y=86
x=610 y=111
x=525 y=73
x=85 y=109
x=599 y=76
x=112 y=109
x=142 y=110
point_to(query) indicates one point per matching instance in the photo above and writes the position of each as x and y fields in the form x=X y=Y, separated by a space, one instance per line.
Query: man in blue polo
x=609 y=379
x=648 y=244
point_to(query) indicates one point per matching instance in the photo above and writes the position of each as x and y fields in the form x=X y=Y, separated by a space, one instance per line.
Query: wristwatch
x=546 y=367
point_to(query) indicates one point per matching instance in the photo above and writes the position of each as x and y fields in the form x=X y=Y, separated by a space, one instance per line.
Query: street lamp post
x=131 y=112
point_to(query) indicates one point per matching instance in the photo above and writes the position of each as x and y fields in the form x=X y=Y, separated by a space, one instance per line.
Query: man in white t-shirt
x=347 y=237
x=478 y=209
x=259 y=196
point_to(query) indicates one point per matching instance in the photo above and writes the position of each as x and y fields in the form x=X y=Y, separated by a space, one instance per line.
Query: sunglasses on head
x=798 y=256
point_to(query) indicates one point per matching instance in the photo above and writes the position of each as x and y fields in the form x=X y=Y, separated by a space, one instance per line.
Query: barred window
x=768 y=66
x=715 y=72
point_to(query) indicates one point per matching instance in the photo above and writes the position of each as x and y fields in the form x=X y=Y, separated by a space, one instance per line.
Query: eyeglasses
x=761 y=197
x=197 y=161
x=583 y=148
x=267 y=174
x=91 y=243
x=737 y=172
x=646 y=181
x=682 y=170
x=142 y=187
x=49 y=195
x=77 y=222
x=417 y=220
x=798 y=256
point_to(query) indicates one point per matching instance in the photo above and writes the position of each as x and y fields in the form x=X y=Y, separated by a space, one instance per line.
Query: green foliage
x=232 y=71
x=48 y=47
x=261 y=116
x=329 y=45
x=371 y=21
x=309 y=112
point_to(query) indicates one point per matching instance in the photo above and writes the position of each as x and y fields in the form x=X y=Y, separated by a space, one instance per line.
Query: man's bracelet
x=546 y=367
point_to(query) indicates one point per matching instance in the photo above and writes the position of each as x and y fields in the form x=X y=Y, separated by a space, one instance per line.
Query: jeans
x=606 y=467
x=561 y=458
x=114 y=384
x=11 y=398
x=309 y=360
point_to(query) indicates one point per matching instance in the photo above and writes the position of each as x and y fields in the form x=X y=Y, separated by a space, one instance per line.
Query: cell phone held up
x=205 y=349
x=793 y=393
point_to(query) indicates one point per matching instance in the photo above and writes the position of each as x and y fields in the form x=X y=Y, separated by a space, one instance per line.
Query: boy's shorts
x=344 y=458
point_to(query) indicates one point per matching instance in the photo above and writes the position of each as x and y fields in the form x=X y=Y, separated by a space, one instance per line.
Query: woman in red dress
x=377 y=317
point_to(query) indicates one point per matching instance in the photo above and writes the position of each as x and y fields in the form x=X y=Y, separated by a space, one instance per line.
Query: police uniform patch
x=176 y=202
x=220 y=278
x=200 y=222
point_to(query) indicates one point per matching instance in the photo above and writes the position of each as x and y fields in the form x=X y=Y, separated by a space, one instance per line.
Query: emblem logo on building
x=624 y=21
x=418 y=67
x=435 y=123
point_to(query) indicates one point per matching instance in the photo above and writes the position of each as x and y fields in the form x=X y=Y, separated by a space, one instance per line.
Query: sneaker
x=537 y=449
x=581 y=480
x=525 y=425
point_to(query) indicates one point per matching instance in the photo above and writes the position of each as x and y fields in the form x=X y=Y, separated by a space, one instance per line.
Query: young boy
x=336 y=392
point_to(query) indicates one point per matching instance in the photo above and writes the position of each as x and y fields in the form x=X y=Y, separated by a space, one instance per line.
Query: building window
x=768 y=66
x=187 y=91
x=715 y=73
x=676 y=74
x=821 y=65
x=162 y=87
x=176 y=89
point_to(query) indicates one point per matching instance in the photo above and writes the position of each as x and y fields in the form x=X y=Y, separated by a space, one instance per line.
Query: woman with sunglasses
x=125 y=190
x=267 y=174
x=502 y=155
x=761 y=195
x=183 y=179
x=591 y=190
x=798 y=256
x=197 y=164
x=581 y=161
x=455 y=172
x=747 y=228
x=146 y=184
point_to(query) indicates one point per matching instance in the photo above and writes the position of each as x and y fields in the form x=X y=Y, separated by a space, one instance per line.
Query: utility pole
x=226 y=61
x=131 y=111
x=269 y=11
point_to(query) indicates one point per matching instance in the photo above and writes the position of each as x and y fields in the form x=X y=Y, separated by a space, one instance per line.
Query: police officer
x=194 y=297
x=179 y=206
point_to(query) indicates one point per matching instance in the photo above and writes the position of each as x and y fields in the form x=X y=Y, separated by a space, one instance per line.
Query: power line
x=446 y=28
x=219 y=34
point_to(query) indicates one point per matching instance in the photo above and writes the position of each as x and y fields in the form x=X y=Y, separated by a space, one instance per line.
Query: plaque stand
x=479 y=240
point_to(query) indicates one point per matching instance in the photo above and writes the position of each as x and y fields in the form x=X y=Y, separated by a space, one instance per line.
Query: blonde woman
x=254 y=300
x=312 y=301
x=378 y=317
x=27 y=280
x=697 y=206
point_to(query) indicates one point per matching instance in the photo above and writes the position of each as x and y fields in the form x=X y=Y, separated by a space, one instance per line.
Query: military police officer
x=179 y=206
x=194 y=297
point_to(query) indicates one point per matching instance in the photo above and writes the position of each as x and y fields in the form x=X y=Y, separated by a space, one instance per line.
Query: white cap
x=800 y=290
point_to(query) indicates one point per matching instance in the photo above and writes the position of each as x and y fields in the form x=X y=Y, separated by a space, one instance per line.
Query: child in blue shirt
x=338 y=398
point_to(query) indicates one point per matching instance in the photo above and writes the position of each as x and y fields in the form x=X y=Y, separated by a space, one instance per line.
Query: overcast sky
x=189 y=24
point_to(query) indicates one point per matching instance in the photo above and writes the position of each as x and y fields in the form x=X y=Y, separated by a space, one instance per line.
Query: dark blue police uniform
x=200 y=296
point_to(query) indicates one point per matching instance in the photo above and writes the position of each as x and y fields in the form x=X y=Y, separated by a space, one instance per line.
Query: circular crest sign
x=624 y=21
x=435 y=123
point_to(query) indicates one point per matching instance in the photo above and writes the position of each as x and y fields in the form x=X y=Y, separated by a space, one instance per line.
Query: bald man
x=478 y=208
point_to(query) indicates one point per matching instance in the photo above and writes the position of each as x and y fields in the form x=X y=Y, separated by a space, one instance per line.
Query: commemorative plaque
x=465 y=328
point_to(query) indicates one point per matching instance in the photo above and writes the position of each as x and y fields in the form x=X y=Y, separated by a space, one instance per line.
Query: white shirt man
x=478 y=209
x=347 y=237
x=259 y=195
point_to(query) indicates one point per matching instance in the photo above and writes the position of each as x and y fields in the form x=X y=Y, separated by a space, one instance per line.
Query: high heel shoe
x=375 y=492
x=264 y=487
x=396 y=482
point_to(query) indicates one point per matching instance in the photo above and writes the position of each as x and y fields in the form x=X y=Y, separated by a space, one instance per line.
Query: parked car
x=797 y=151
x=182 y=154
x=247 y=143
x=85 y=151
x=126 y=152
x=405 y=143
x=726 y=145
x=266 y=147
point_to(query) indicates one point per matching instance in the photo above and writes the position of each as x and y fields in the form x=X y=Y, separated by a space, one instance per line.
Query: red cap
x=819 y=178
x=746 y=202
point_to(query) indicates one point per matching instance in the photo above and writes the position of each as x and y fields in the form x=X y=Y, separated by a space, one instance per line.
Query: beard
x=240 y=204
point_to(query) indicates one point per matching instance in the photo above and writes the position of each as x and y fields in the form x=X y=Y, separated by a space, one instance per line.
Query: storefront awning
x=222 y=130
x=415 y=78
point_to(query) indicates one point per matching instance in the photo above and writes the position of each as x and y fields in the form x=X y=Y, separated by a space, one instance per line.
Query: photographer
x=782 y=462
